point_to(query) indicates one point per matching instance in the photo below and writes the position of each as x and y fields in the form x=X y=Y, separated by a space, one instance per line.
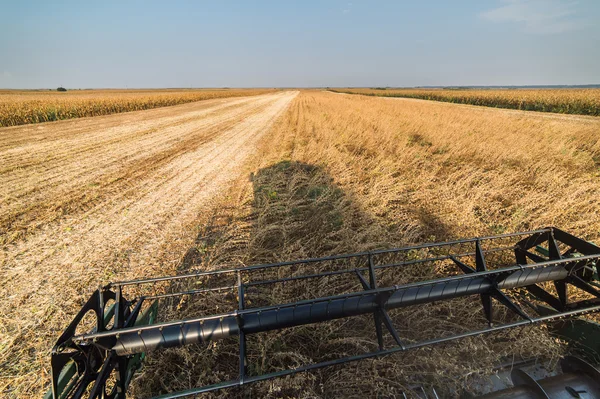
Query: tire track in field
x=54 y=268
x=53 y=197
x=98 y=141
x=108 y=155
x=14 y=136
x=52 y=143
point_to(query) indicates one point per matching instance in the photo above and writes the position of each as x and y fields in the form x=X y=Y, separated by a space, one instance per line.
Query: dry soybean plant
x=340 y=174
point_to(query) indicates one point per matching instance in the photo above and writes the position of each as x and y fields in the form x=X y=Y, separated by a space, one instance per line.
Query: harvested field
x=88 y=201
x=156 y=192
x=20 y=107
x=564 y=101
x=341 y=174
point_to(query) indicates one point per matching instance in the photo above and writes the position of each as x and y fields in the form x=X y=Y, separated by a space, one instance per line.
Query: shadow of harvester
x=296 y=211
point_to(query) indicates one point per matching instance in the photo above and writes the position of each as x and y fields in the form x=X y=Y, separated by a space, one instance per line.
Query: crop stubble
x=112 y=197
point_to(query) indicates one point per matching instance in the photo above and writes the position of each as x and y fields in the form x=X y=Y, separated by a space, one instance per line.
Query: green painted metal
x=542 y=251
x=66 y=380
x=583 y=335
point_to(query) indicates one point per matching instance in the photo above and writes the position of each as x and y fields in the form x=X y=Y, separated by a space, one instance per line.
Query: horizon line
x=589 y=85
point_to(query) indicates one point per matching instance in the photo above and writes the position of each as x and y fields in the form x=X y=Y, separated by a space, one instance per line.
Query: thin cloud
x=6 y=74
x=347 y=10
x=538 y=16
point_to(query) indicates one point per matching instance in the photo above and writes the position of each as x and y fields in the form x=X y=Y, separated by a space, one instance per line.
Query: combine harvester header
x=497 y=269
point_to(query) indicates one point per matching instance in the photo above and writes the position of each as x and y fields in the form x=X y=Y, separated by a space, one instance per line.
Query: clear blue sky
x=95 y=44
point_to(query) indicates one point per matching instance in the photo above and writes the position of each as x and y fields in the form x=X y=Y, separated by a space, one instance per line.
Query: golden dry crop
x=239 y=181
x=565 y=101
x=340 y=174
x=34 y=106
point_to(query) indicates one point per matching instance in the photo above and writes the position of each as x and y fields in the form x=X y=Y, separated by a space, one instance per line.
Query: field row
x=564 y=101
x=342 y=174
x=23 y=107
x=87 y=201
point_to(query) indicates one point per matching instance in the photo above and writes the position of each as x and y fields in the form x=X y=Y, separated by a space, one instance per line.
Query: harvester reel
x=496 y=268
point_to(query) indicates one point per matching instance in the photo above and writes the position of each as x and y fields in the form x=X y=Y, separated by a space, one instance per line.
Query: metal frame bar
x=242 y=334
x=387 y=352
x=322 y=259
x=473 y=283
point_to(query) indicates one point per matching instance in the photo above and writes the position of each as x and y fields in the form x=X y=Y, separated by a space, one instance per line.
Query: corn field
x=24 y=107
x=564 y=101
